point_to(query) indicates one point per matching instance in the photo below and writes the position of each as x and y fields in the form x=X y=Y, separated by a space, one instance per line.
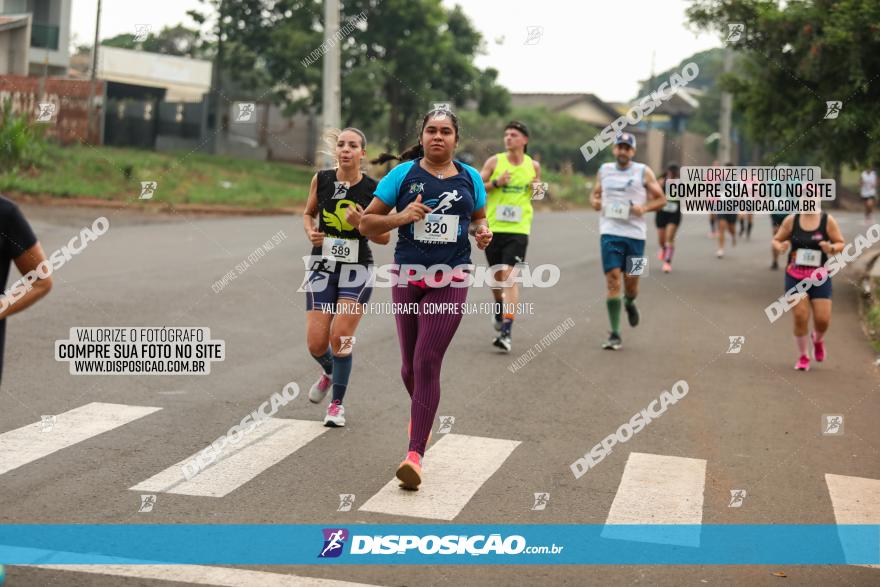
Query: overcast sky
x=598 y=46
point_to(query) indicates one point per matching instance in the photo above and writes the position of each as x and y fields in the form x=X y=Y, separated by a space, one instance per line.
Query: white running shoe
x=720 y=253
x=503 y=342
x=335 y=417
x=319 y=390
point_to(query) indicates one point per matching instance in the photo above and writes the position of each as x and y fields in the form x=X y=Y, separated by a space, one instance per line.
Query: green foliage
x=184 y=178
x=177 y=40
x=554 y=138
x=795 y=58
x=402 y=56
x=21 y=142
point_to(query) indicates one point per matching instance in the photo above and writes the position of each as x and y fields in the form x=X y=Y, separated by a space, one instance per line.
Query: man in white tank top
x=625 y=191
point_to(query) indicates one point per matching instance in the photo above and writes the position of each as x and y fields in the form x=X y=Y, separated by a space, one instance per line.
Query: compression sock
x=325 y=360
x=669 y=251
x=802 y=342
x=613 y=305
x=507 y=324
x=341 y=373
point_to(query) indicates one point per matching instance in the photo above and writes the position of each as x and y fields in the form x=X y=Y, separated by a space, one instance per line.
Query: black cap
x=517 y=125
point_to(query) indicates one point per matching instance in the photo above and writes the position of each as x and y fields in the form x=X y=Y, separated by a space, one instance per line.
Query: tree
x=401 y=56
x=177 y=40
x=555 y=138
x=795 y=58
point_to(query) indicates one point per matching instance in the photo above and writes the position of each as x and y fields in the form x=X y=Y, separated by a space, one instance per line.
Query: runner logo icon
x=334 y=541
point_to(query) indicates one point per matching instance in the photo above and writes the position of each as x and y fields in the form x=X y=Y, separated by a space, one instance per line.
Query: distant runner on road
x=508 y=179
x=813 y=238
x=624 y=192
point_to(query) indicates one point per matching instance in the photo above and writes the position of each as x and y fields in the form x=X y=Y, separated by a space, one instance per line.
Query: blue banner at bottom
x=457 y=544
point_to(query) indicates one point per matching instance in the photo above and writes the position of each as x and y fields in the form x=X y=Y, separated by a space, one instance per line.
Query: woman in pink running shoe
x=813 y=237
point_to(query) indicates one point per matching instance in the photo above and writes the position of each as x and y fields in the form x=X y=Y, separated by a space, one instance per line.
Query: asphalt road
x=749 y=420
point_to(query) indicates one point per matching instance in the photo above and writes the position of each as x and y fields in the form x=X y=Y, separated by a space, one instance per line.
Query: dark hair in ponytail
x=417 y=150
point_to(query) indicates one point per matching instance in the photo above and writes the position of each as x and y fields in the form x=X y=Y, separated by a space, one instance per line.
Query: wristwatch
x=494 y=183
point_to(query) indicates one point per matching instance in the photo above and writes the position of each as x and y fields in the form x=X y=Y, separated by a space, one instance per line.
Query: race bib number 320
x=437 y=228
x=616 y=210
x=344 y=250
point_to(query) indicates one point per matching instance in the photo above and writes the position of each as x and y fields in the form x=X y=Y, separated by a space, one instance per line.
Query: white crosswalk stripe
x=32 y=442
x=454 y=469
x=658 y=489
x=856 y=500
x=204 y=575
x=266 y=445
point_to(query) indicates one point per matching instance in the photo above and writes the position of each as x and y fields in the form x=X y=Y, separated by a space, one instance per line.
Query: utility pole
x=94 y=79
x=725 y=150
x=331 y=111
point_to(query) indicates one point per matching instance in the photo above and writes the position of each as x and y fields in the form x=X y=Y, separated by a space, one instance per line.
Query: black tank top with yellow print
x=334 y=198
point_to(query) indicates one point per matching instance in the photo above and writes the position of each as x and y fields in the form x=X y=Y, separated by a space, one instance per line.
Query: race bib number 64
x=616 y=210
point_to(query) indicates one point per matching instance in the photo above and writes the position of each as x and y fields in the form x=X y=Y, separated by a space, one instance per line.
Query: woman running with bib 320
x=439 y=203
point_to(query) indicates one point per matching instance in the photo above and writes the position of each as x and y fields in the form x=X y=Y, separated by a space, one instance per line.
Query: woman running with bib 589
x=333 y=311
x=439 y=202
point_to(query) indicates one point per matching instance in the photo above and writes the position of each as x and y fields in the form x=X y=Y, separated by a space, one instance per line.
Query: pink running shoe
x=319 y=389
x=667 y=267
x=803 y=363
x=661 y=255
x=335 y=417
x=818 y=349
x=410 y=471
